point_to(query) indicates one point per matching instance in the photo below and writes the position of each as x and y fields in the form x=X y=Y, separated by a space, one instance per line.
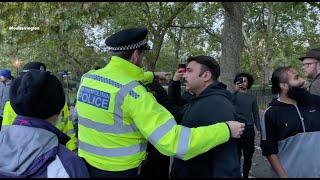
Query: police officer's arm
x=158 y=126
x=148 y=77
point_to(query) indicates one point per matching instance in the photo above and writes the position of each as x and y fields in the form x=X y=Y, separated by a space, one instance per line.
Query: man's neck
x=203 y=88
x=284 y=98
x=243 y=90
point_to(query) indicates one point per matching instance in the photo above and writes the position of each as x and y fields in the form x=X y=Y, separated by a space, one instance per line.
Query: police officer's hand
x=178 y=75
x=236 y=128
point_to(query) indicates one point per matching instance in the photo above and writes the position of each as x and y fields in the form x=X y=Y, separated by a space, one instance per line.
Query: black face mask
x=301 y=95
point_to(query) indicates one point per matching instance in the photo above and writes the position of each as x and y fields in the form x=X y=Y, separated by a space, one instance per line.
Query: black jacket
x=292 y=132
x=213 y=105
x=282 y=121
x=178 y=102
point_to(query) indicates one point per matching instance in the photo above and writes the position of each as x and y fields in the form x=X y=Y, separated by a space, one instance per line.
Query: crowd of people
x=125 y=124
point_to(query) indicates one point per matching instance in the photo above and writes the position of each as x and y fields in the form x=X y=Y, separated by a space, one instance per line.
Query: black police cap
x=128 y=39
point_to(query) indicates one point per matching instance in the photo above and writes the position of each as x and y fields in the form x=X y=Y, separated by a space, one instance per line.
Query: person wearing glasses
x=311 y=69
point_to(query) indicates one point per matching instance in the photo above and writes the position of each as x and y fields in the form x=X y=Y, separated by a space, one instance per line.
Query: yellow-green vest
x=64 y=123
x=117 y=116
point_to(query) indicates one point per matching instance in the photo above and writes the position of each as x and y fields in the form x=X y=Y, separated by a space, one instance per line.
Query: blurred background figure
x=246 y=106
x=5 y=79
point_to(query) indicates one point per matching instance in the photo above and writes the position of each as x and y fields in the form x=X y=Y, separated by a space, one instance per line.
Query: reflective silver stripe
x=113 y=152
x=118 y=114
x=70 y=132
x=183 y=142
x=161 y=131
x=301 y=118
x=56 y=169
x=263 y=125
x=110 y=82
x=116 y=128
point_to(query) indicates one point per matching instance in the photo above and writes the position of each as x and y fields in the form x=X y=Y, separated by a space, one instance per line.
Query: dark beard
x=301 y=95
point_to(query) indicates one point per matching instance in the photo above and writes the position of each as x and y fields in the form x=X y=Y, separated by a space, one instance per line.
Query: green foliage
x=177 y=30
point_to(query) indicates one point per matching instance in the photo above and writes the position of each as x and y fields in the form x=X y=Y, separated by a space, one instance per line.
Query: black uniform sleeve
x=269 y=141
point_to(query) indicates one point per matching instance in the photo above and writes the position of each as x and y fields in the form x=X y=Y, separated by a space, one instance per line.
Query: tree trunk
x=268 y=45
x=153 y=55
x=232 y=41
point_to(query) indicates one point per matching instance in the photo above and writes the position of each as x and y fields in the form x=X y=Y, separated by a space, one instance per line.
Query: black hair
x=279 y=76
x=247 y=75
x=207 y=63
x=125 y=54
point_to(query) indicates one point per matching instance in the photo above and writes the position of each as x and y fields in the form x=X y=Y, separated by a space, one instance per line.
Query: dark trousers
x=98 y=173
x=156 y=164
x=246 y=147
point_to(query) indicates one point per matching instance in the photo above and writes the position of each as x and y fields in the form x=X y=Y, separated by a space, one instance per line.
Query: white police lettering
x=94 y=97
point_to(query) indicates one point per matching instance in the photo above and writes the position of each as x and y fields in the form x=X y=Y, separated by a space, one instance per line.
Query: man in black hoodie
x=211 y=104
x=290 y=128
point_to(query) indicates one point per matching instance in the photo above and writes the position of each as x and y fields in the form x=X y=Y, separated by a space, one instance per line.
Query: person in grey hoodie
x=247 y=106
x=33 y=147
x=5 y=84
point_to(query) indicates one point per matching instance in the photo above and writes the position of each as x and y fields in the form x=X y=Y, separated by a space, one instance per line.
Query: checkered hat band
x=128 y=47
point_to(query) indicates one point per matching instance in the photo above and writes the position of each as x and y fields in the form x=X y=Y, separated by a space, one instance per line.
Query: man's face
x=309 y=66
x=244 y=84
x=193 y=82
x=294 y=80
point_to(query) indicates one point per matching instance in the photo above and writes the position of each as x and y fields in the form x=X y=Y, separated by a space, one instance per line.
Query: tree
x=232 y=41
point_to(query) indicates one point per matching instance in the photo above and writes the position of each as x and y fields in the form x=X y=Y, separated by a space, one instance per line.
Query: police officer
x=64 y=122
x=117 y=115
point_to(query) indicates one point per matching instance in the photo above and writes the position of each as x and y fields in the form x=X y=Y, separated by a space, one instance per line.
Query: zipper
x=301 y=118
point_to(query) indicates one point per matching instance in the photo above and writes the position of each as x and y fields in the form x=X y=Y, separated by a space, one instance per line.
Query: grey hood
x=20 y=146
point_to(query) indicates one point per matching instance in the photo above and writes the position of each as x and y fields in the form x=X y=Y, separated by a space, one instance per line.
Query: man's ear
x=135 y=57
x=284 y=86
x=207 y=76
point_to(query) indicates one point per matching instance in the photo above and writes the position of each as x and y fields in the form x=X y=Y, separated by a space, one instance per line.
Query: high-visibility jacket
x=117 y=116
x=64 y=123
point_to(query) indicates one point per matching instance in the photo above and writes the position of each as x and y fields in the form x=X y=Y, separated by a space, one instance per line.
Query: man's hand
x=161 y=75
x=236 y=128
x=178 y=75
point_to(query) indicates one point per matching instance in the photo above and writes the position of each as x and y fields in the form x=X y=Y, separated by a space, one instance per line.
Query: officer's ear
x=136 y=57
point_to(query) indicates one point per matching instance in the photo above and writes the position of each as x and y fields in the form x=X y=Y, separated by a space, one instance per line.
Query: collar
x=125 y=67
x=43 y=124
